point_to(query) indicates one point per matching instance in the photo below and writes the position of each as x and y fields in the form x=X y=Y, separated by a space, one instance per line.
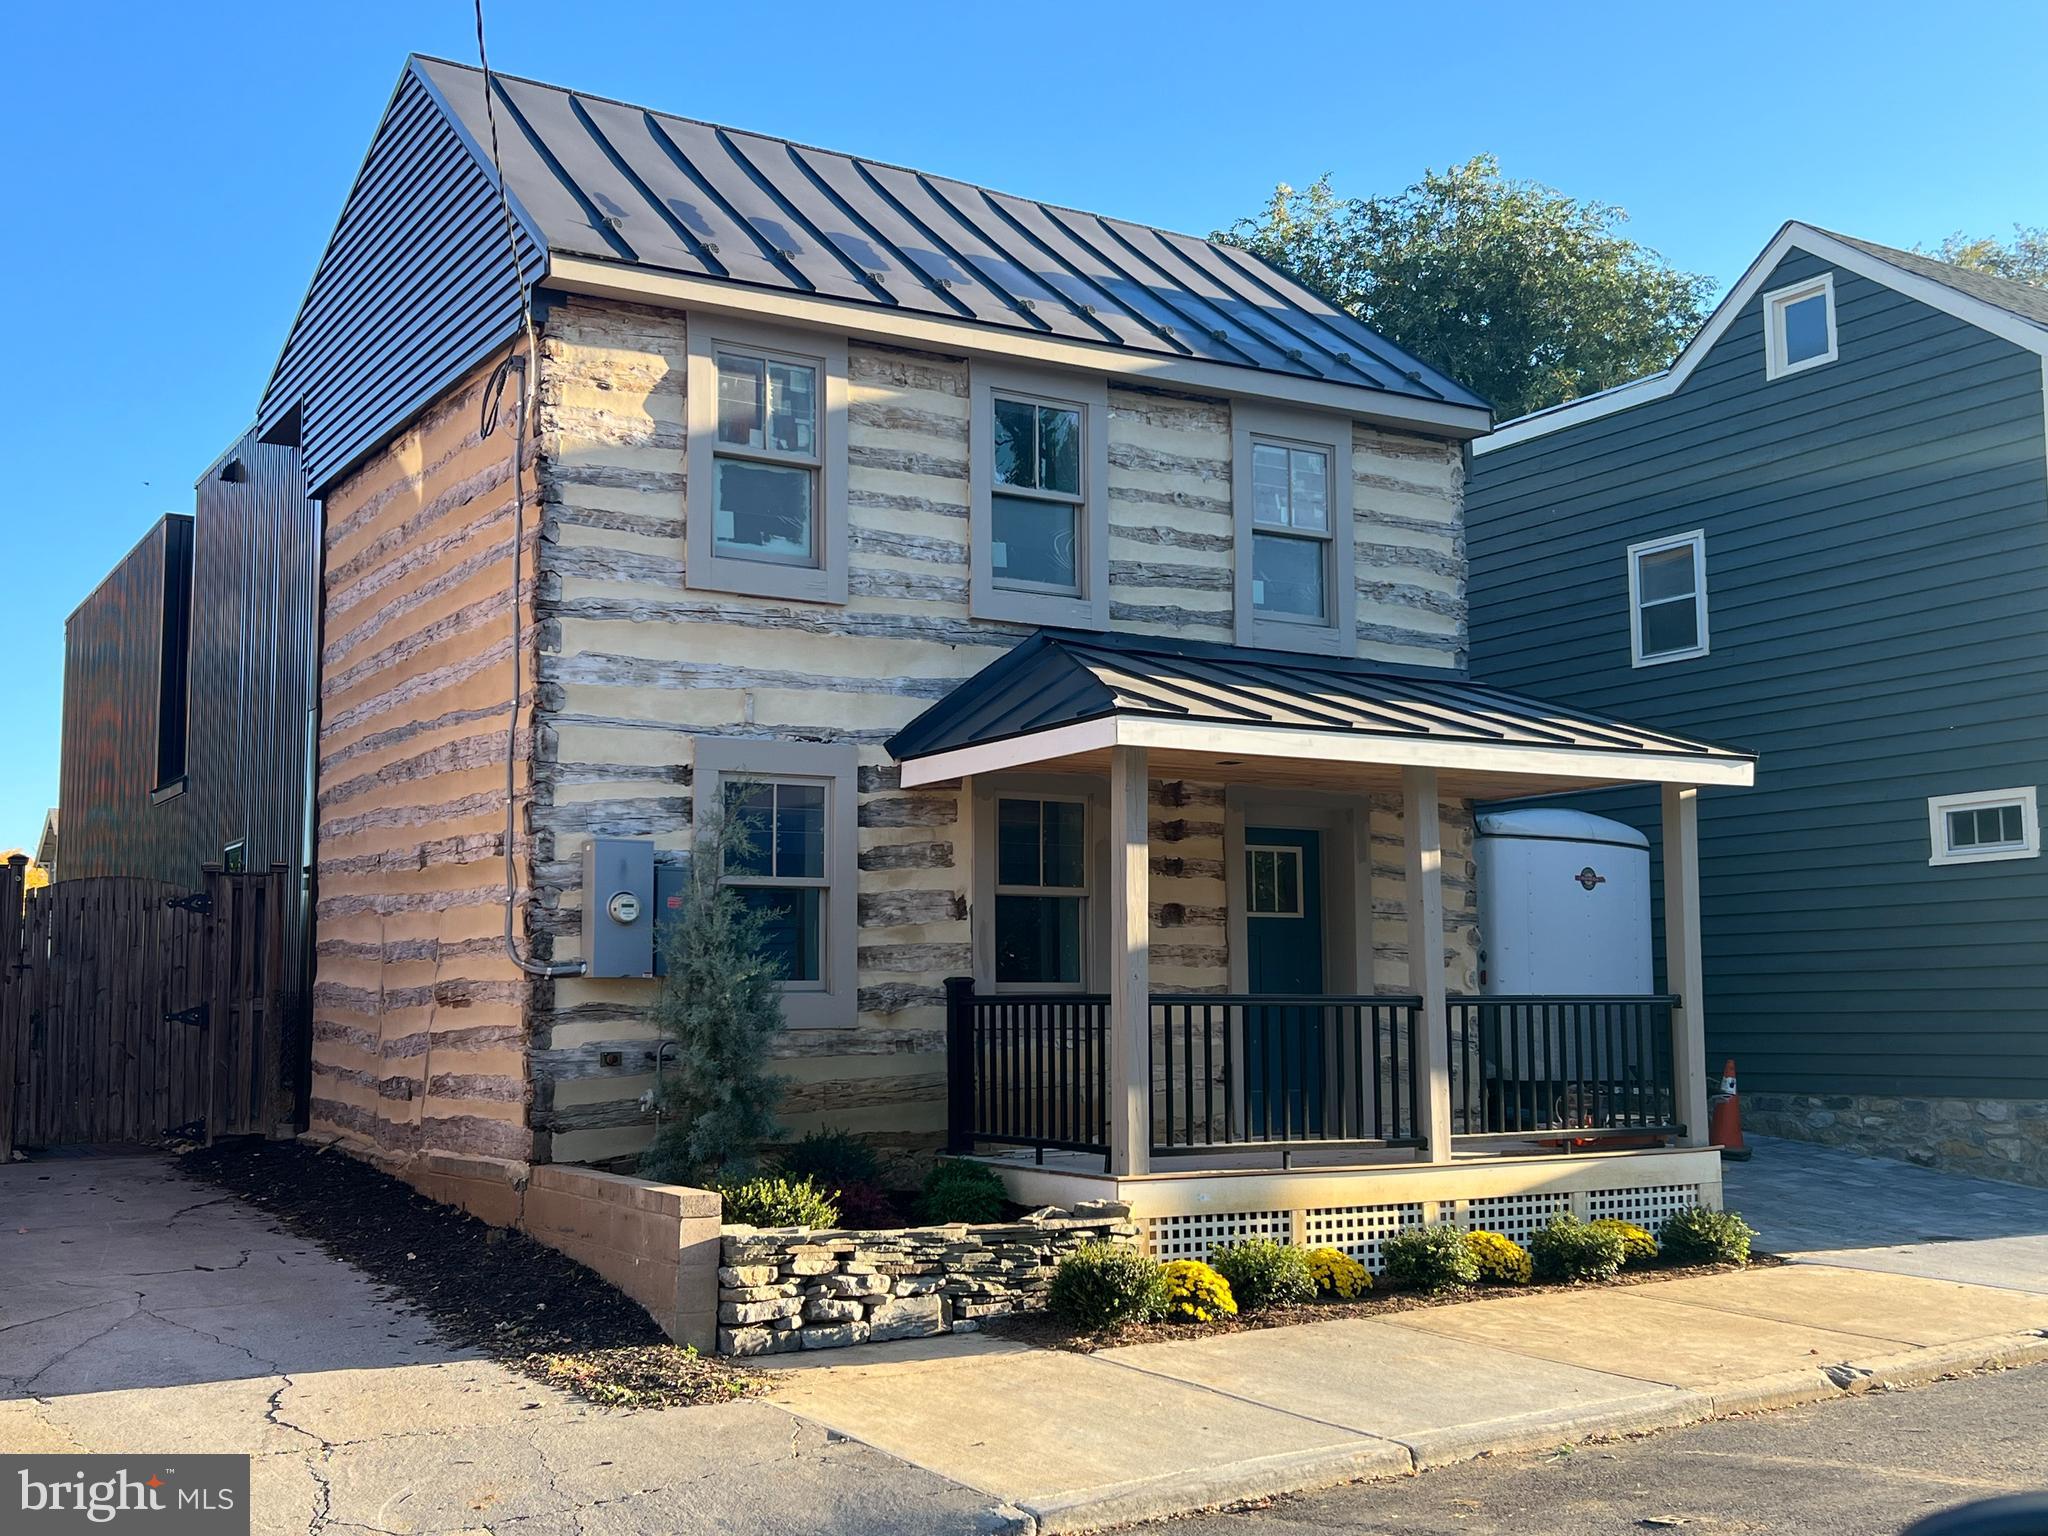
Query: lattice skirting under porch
x=1360 y=1229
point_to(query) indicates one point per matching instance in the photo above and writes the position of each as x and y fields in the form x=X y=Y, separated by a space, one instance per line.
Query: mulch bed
x=482 y=1287
x=1048 y=1332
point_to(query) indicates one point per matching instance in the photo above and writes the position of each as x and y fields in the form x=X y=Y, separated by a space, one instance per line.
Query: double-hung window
x=1041 y=892
x=1667 y=599
x=1291 y=482
x=792 y=858
x=766 y=465
x=1799 y=327
x=1985 y=827
x=1038 y=467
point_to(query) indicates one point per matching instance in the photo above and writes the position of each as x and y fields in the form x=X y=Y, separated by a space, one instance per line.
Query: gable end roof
x=415 y=288
x=2010 y=310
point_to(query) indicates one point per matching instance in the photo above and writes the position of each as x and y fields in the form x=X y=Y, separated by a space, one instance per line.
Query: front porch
x=1317 y=1114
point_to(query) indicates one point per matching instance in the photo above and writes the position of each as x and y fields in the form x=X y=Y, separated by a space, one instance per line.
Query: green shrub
x=956 y=1190
x=1338 y=1274
x=1263 y=1273
x=832 y=1160
x=1575 y=1250
x=1429 y=1259
x=776 y=1202
x=1697 y=1235
x=1100 y=1285
x=1501 y=1260
x=1195 y=1293
x=1638 y=1247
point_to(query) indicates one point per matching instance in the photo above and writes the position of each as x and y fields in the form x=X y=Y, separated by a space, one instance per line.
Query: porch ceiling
x=1059 y=702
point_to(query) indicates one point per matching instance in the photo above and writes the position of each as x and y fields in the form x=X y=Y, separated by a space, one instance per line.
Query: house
x=1823 y=531
x=1077 y=609
x=46 y=842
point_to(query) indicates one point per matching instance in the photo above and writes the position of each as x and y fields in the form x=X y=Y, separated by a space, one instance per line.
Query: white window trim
x=1339 y=635
x=705 y=568
x=1697 y=540
x=1938 y=807
x=1019 y=605
x=1094 y=797
x=832 y=1002
x=1775 y=302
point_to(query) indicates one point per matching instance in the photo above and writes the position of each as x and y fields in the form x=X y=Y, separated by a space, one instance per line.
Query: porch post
x=1424 y=898
x=1130 y=961
x=1683 y=972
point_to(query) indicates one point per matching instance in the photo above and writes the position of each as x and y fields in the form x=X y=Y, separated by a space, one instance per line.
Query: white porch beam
x=1130 y=982
x=1423 y=897
x=1684 y=973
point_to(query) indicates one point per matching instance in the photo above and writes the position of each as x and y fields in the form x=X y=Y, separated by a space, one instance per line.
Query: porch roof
x=1061 y=700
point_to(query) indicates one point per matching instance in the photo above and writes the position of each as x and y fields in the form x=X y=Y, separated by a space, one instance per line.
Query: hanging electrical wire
x=525 y=365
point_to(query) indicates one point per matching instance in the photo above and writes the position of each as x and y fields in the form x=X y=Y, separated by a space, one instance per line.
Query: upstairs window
x=1041 y=891
x=1038 y=472
x=1982 y=828
x=1037 y=514
x=1291 y=534
x=1295 y=586
x=765 y=481
x=1799 y=327
x=1667 y=593
x=174 y=659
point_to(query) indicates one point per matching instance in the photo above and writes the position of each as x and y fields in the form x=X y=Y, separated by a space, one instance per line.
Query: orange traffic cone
x=1724 y=1116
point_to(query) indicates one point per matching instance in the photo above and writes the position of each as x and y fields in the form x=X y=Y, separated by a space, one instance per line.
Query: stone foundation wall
x=785 y=1289
x=1990 y=1138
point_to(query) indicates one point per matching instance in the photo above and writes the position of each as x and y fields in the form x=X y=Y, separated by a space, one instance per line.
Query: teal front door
x=1283 y=907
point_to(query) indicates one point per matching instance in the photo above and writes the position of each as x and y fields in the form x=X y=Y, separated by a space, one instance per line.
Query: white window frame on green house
x=1696 y=543
x=1778 y=361
x=991 y=594
x=832 y=1000
x=1253 y=427
x=2005 y=806
x=713 y=563
x=1092 y=796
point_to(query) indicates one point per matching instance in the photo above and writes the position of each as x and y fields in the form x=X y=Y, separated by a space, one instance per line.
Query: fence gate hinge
x=197 y=901
x=196 y=1014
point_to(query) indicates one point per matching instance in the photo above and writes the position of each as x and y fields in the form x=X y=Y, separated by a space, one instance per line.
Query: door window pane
x=1038 y=939
x=1806 y=328
x=1273 y=886
x=1033 y=541
x=739 y=400
x=763 y=511
x=1288 y=576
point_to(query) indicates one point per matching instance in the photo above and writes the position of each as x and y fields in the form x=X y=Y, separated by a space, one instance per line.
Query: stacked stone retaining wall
x=782 y=1289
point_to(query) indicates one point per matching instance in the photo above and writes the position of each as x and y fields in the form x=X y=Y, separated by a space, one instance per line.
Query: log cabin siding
x=634 y=667
x=419 y=1019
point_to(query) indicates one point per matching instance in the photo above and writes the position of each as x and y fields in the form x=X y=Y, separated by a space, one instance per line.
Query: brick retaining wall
x=783 y=1289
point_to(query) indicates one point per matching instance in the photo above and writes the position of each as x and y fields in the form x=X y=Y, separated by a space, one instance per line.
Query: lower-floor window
x=1041 y=891
x=777 y=867
x=1985 y=827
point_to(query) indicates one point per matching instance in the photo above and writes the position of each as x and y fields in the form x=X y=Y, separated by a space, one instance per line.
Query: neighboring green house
x=1823 y=532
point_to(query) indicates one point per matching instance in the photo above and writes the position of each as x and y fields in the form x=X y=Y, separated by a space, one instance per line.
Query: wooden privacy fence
x=130 y=1008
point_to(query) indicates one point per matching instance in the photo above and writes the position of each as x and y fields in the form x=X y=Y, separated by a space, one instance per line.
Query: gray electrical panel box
x=669 y=880
x=618 y=906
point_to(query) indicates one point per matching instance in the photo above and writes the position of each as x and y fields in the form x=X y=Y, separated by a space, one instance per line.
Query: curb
x=1183 y=1493
x=1549 y=1428
x=1917 y=1367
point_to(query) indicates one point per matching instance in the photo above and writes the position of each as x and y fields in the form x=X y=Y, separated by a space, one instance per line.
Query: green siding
x=1877 y=578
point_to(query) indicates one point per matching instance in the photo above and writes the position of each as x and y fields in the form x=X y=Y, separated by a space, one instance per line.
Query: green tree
x=2024 y=258
x=720 y=1007
x=1512 y=288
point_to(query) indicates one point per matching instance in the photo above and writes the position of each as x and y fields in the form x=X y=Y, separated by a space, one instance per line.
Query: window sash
x=1323 y=541
x=774 y=877
x=1693 y=546
x=1079 y=897
x=767 y=453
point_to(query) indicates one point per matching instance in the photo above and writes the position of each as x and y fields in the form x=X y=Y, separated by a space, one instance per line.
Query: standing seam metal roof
x=1063 y=678
x=610 y=182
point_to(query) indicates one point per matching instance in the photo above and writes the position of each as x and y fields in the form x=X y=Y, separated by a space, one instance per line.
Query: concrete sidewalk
x=1078 y=1441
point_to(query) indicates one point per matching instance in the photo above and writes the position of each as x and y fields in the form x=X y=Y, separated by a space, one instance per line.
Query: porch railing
x=1596 y=1068
x=1029 y=1071
x=1264 y=1070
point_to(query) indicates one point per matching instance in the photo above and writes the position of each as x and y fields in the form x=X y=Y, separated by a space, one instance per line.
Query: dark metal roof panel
x=1058 y=678
x=413 y=291
x=848 y=228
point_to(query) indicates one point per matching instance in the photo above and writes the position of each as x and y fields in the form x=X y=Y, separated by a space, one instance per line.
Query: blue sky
x=173 y=171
